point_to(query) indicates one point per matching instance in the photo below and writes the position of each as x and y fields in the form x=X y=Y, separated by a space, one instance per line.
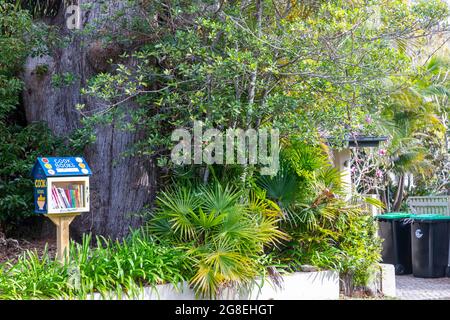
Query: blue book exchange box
x=61 y=185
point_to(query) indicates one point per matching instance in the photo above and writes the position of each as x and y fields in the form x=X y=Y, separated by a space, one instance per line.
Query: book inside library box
x=68 y=195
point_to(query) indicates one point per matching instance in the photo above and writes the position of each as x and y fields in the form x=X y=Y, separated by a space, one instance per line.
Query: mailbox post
x=61 y=193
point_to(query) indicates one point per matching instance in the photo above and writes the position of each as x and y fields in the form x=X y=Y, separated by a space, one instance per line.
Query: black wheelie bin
x=430 y=245
x=395 y=230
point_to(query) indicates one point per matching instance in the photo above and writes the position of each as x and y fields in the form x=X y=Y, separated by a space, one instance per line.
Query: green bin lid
x=430 y=217
x=394 y=215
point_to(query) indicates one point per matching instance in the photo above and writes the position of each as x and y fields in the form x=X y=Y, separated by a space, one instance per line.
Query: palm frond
x=206 y=221
x=259 y=204
x=177 y=207
x=282 y=187
x=220 y=199
x=206 y=281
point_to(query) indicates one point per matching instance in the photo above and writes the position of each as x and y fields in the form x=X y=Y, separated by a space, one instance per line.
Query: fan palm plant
x=304 y=180
x=223 y=229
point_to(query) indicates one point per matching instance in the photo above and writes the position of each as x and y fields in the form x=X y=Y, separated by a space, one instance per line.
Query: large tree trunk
x=119 y=186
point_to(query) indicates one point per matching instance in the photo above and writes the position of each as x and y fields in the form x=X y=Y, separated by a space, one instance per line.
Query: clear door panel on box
x=67 y=195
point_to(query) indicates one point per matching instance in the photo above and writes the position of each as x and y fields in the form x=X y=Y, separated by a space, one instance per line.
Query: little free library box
x=61 y=185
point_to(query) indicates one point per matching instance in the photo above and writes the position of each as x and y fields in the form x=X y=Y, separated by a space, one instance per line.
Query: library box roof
x=60 y=167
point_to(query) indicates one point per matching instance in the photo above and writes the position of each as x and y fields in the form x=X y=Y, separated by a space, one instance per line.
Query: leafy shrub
x=19 y=148
x=14 y=25
x=224 y=229
x=350 y=247
x=19 y=145
x=326 y=230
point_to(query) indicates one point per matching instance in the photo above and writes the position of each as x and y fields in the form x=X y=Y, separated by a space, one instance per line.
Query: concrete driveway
x=411 y=288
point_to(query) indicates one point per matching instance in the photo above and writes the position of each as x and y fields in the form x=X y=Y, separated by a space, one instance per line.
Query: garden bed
x=11 y=249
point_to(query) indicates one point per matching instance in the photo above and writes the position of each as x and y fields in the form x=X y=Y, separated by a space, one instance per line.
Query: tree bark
x=253 y=76
x=119 y=186
x=398 y=199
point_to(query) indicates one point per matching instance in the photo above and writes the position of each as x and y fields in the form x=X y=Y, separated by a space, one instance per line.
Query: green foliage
x=224 y=229
x=282 y=187
x=41 y=8
x=41 y=70
x=325 y=230
x=63 y=80
x=312 y=67
x=416 y=159
x=137 y=261
x=418 y=114
x=304 y=169
x=346 y=242
x=9 y=95
x=110 y=268
x=19 y=148
x=19 y=145
x=33 y=277
x=14 y=25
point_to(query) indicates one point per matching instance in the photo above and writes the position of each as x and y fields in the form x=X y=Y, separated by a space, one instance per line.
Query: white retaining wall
x=321 y=285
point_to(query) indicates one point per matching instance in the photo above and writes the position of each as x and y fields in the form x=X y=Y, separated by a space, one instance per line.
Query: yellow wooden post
x=62 y=222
